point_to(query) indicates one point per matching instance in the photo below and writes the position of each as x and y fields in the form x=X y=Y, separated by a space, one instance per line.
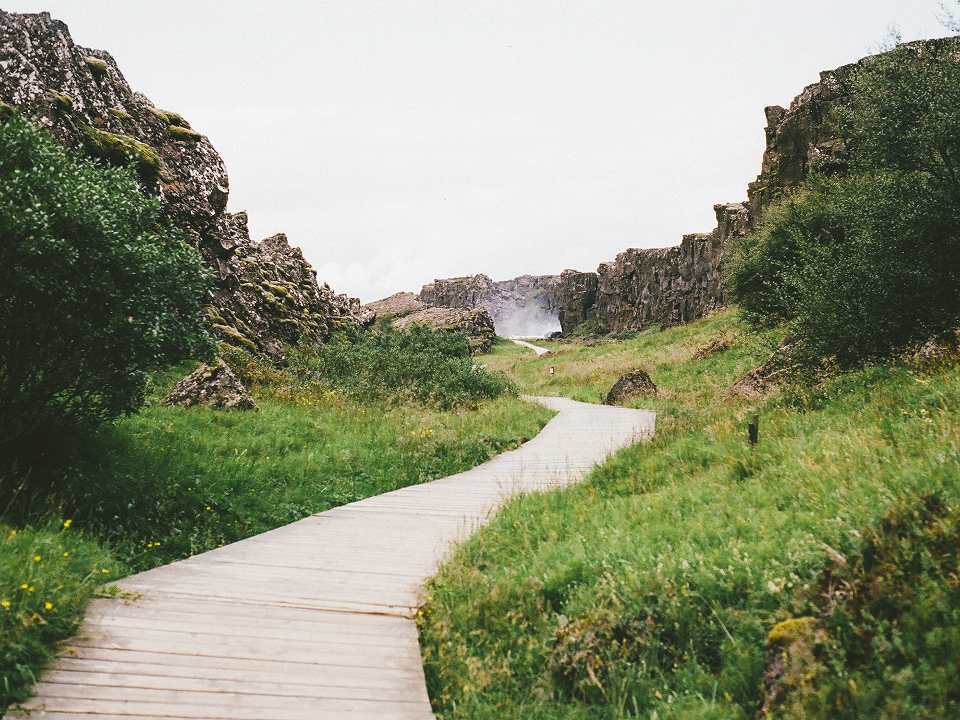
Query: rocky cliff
x=267 y=294
x=525 y=305
x=681 y=283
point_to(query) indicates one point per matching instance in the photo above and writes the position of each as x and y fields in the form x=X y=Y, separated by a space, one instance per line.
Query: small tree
x=94 y=289
x=864 y=264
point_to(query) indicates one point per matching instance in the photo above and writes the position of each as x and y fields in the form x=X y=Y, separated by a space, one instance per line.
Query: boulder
x=213 y=386
x=635 y=383
x=475 y=323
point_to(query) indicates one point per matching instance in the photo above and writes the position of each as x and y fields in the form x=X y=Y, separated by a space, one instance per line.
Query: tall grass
x=650 y=589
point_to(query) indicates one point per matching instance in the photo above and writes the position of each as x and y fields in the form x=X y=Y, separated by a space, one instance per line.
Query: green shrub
x=420 y=364
x=862 y=265
x=94 y=290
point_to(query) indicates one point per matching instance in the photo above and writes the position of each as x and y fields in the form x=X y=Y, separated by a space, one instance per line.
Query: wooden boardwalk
x=530 y=346
x=313 y=620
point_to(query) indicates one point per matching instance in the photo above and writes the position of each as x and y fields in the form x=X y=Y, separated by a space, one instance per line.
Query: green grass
x=649 y=589
x=47 y=575
x=167 y=483
x=195 y=479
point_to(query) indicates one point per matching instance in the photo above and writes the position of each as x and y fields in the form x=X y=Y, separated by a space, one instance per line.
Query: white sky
x=399 y=140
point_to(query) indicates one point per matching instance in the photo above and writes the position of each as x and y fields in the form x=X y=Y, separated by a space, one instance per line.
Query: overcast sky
x=396 y=141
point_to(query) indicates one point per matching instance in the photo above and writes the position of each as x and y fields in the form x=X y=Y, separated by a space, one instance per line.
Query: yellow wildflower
x=37 y=558
x=23 y=586
x=67 y=523
x=47 y=605
x=67 y=554
x=105 y=571
x=5 y=604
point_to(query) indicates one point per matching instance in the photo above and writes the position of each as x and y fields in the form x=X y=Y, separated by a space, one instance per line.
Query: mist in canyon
x=526 y=321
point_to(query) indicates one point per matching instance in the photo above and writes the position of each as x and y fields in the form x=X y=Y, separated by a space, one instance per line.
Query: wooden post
x=753 y=429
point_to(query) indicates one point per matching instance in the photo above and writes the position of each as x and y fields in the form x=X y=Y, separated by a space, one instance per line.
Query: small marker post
x=753 y=429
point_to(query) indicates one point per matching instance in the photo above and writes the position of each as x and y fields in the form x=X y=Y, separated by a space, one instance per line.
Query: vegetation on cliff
x=862 y=264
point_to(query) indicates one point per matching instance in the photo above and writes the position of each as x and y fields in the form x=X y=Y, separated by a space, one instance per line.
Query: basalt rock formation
x=525 y=305
x=475 y=323
x=576 y=298
x=267 y=294
x=681 y=283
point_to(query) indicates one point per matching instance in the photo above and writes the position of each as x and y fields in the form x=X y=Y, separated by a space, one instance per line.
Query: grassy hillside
x=656 y=587
x=170 y=482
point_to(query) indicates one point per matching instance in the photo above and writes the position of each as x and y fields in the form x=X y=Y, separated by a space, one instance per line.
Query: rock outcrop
x=214 y=386
x=82 y=98
x=397 y=305
x=522 y=306
x=475 y=323
x=576 y=298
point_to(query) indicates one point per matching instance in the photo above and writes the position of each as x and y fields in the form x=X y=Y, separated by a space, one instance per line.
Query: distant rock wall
x=667 y=285
x=576 y=298
x=525 y=305
x=267 y=293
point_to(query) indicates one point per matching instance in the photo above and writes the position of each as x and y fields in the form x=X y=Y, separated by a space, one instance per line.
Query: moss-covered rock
x=59 y=100
x=120 y=149
x=181 y=133
x=120 y=114
x=278 y=289
x=169 y=117
x=98 y=67
x=233 y=335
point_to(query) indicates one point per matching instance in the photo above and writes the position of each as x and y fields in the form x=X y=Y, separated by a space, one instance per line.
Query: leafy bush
x=94 y=289
x=864 y=264
x=420 y=364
